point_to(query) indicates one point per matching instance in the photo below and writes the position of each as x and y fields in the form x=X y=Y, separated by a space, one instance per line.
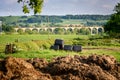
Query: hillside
x=42 y=20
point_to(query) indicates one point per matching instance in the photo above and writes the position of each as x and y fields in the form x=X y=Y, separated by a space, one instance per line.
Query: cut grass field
x=35 y=50
x=49 y=54
x=23 y=38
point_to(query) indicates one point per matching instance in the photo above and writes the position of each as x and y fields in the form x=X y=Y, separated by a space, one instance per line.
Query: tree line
x=39 y=19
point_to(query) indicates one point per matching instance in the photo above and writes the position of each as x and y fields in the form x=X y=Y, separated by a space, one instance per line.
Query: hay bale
x=55 y=47
x=60 y=43
x=68 y=47
x=77 y=48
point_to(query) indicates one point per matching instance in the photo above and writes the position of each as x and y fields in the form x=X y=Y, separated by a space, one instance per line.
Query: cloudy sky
x=62 y=7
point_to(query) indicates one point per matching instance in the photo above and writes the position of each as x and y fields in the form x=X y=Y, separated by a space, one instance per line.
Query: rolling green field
x=23 y=38
x=31 y=46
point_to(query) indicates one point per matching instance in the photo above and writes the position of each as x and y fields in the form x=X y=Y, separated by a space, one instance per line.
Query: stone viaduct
x=52 y=29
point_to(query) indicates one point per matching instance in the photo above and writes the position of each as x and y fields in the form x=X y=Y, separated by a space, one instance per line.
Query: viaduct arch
x=93 y=29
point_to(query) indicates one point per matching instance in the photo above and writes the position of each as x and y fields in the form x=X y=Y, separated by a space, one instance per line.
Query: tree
x=35 y=5
x=113 y=25
x=117 y=8
x=7 y=28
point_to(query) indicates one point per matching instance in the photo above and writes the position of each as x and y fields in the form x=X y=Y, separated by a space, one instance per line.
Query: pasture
x=31 y=46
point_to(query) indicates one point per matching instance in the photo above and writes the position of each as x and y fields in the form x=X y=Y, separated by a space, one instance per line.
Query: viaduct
x=92 y=29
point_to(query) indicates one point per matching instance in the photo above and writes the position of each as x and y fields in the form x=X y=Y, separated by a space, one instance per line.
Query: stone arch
x=88 y=31
x=50 y=30
x=58 y=31
x=100 y=30
x=19 y=30
x=40 y=30
x=70 y=29
x=94 y=31
x=70 y=25
x=76 y=29
x=64 y=29
x=82 y=31
x=34 y=29
x=27 y=30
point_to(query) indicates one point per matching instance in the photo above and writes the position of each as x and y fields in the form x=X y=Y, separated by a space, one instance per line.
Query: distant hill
x=43 y=20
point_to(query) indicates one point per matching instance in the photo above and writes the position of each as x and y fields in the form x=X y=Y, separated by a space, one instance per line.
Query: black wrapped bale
x=51 y=47
x=68 y=47
x=60 y=43
x=55 y=47
x=77 y=48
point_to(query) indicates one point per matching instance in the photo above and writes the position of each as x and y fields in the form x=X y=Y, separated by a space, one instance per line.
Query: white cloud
x=107 y=6
x=45 y=1
x=10 y=1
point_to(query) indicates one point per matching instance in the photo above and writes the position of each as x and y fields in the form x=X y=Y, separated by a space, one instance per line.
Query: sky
x=62 y=7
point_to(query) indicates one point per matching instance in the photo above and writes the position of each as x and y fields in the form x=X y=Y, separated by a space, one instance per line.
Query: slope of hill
x=42 y=20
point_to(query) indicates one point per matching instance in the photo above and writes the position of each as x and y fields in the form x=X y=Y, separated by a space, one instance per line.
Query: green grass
x=32 y=49
x=71 y=21
x=23 y=38
x=49 y=54
x=114 y=51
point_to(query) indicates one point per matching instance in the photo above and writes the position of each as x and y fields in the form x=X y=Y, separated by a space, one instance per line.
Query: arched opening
x=88 y=31
x=20 y=31
x=59 y=31
x=35 y=30
x=94 y=31
x=100 y=30
x=76 y=30
x=69 y=29
x=28 y=31
x=41 y=30
x=82 y=31
x=64 y=30
x=49 y=30
x=70 y=25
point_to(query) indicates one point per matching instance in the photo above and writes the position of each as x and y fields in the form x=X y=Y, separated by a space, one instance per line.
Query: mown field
x=30 y=46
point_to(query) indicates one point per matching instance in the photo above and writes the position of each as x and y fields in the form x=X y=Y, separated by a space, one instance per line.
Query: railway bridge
x=92 y=29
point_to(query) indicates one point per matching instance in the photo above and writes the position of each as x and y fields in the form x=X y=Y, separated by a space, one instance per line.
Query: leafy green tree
x=113 y=25
x=35 y=5
x=20 y=31
x=59 y=31
x=7 y=28
x=117 y=8
x=84 y=31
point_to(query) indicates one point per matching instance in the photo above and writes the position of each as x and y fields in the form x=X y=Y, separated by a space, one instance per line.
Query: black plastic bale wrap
x=55 y=47
x=60 y=43
x=68 y=47
x=77 y=48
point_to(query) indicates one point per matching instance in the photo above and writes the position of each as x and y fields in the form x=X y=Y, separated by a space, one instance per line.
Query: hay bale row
x=59 y=45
